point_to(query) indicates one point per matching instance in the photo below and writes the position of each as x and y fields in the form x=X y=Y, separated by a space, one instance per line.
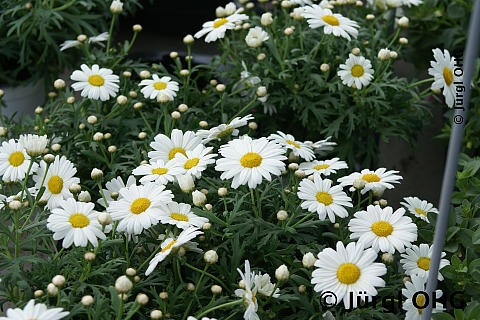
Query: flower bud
x=142 y=135
x=222 y=192
x=184 y=72
x=121 y=100
x=87 y=300
x=116 y=7
x=15 y=205
x=286 y=4
x=216 y=289
x=49 y=158
x=403 y=40
x=56 y=147
x=123 y=284
x=199 y=198
x=308 y=260
x=387 y=258
x=82 y=38
x=130 y=272
x=163 y=98
x=98 y=136
x=293 y=166
x=208 y=206
x=156 y=314
x=70 y=100
x=266 y=19
x=406 y=279
x=173 y=54
x=74 y=188
x=59 y=84
x=58 y=280
x=163 y=295
x=92 y=119
x=190 y=286
x=383 y=54
x=370 y=17
x=383 y=202
x=359 y=184
x=403 y=22
x=253 y=125
x=261 y=91
x=84 y=196
x=393 y=54
x=288 y=31
x=176 y=115
x=210 y=256
x=188 y=39
x=203 y=124
x=183 y=107
x=144 y=74
x=324 y=67
x=137 y=28
x=186 y=183
x=282 y=273
x=336 y=225
x=38 y=293
x=206 y=226
x=96 y=174
x=104 y=218
x=112 y=149
x=220 y=87
x=141 y=299
x=89 y=256
x=52 y=290
x=3 y=131
x=282 y=215
x=356 y=51
x=300 y=174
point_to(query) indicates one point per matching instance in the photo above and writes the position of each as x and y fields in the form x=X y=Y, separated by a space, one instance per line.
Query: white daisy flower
x=67 y=44
x=248 y=294
x=75 y=43
x=115 y=185
x=301 y=2
x=255 y=37
x=377 y=180
x=332 y=23
x=417 y=260
x=216 y=29
x=14 y=161
x=75 y=222
x=247 y=80
x=96 y=83
x=247 y=161
x=195 y=161
x=140 y=207
x=321 y=197
x=181 y=216
x=413 y=289
x=325 y=167
x=356 y=70
x=203 y=318
x=346 y=271
x=153 y=88
x=224 y=130
x=410 y=3
x=383 y=229
x=265 y=286
x=166 y=148
x=442 y=70
x=158 y=172
x=288 y=142
x=34 y=311
x=321 y=147
x=59 y=177
x=419 y=208
x=34 y=145
x=171 y=243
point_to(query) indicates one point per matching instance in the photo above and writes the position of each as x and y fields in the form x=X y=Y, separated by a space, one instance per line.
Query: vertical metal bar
x=455 y=143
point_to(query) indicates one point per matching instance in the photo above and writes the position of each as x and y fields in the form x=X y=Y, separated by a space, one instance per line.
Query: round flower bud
x=130 y=272
x=203 y=124
x=184 y=72
x=82 y=38
x=163 y=295
x=199 y=198
x=38 y=110
x=213 y=82
x=324 y=67
x=403 y=22
x=370 y=17
x=186 y=183
x=127 y=74
x=208 y=206
x=141 y=299
x=282 y=273
x=163 y=98
x=74 y=188
x=383 y=202
x=393 y=54
x=394 y=3
x=250 y=5
x=183 y=107
x=49 y=158
x=359 y=184
x=293 y=166
x=246 y=26
x=176 y=115
x=253 y=125
x=59 y=84
x=300 y=174
x=136 y=279
x=220 y=87
x=137 y=28
x=132 y=94
x=216 y=289
x=383 y=54
x=288 y=31
x=266 y=19
x=121 y=100
x=156 y=314
x=220 y=12
x=3 y=131
x=92 y=119
x=210 y=256
x=114 y=195
x=104 y=218
x=137 y=105
x=70 y=100
x=89 y=256
x=38 y=293
x=286 y=4
x=142 y=135
x=356 y=51
x=308 y=260
x=293 y=158
x=28 y=5
x=261 y=91
x=206 y=226
x=58 y=280
x=282 y=215
x=56 y=147
x=188 y=39
x=112 y=149
x=403 y=40
x=144 y=74
x=387 y=258
x=143 y=162
x=87 y=300
x=96 y=173
x=123 y=284
x=336 y=225
x=173 y=54
x=98 y=136
x=358 y=3
x=84 y=196
x=15 y=205
x=190 y=286
x=261 y=56
x=302 y=288
x=222 y=192
x=436 y=91
x=376 y=203
x=52 y=290
x=116 y=7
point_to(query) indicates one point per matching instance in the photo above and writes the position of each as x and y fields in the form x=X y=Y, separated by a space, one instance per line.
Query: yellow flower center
x=16 y=158
x=293 y=143
x=55 y=185
x=371 y=177
x=253 y=297
x=189 y=164
x=174 y=151
x=420 y=301
x=79 y=220
x=447 y=76
x=420 y=211
x=219 y=22
x=324 y=197
x=96 y=80
x=159 y=85
x=321 y=166
x=178 y=216
x=348 y=273
x=423 y=263
x=251 y=160
x=160 y=171
x=224 y=133
x=357 y=71
x=140 y=205
x=382 y=228
x=169 y=246
x=331 y=20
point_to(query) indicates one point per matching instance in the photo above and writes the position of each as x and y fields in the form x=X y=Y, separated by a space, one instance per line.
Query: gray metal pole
x=455 y=143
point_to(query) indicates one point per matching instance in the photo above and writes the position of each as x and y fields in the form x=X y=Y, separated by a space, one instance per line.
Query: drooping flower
x=248 y=293
x=377 y=180
x=332 y=23
x=419 y=208
x=224 y=130
x=216 y=29
x=443 y=71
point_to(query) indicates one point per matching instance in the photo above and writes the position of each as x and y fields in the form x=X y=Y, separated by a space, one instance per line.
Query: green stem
x=228 y=304
x=253 y=203
x=303 y=219
x=110 y=32
x=101 y=192
x=26 y=178
x=146 y=122
x=36 y=200
x=243 y=109
x=207 y=274
x=195 y=291
x=421 y=82
x=120 y=309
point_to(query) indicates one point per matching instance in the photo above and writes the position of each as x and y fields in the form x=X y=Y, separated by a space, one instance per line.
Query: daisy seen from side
x=288 y=142
x=95 y=83
x=419 y=208
x=377 y=180
x=248 y=161
x=332 y=23
x=216 y=29
x=325 y=167
x=224 y=130
x=34 y=144
x=382 y=229
x=248 y=293
x=416 y=260
x=443 y=72
x=181 y=216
